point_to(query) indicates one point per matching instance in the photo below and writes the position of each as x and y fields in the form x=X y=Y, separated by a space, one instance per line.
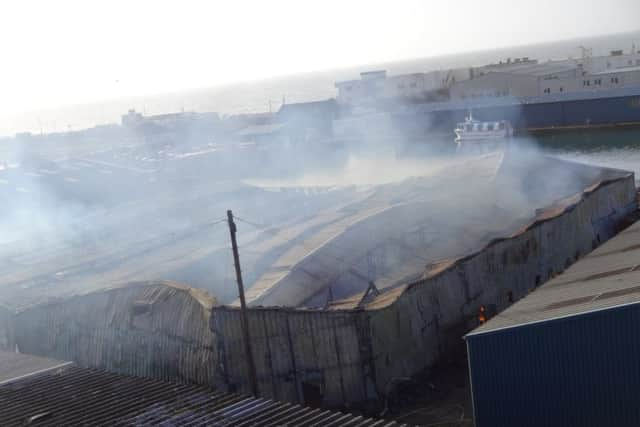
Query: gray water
x=615 y=148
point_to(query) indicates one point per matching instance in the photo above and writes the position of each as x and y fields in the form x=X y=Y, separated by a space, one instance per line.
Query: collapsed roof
x=317 y=245
x=389 y=235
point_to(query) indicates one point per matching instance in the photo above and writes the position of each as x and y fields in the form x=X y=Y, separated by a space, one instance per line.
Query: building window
x=412 y=85
x=561 y=88
x=614 y=80
x=597 y=82
x=547 y=90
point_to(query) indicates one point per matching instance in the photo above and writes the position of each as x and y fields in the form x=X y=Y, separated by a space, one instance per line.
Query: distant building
x=544 y=79
x=170 y=121
x=375 y=86
x=522 y=80
x=307 y=120
x=131 y=119
x=173 y=120
x=237 y=122
x=504 y=65
x=616 y=60
x=263 y=134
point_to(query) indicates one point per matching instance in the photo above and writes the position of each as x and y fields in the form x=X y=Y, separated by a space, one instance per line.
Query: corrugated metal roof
x=74 y=396
x=17 y=365
x=607 y=277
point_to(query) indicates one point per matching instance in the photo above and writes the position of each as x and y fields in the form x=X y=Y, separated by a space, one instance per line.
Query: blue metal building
x=568 y=354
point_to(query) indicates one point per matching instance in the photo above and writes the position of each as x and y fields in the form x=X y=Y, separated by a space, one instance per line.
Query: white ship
x=476 y=136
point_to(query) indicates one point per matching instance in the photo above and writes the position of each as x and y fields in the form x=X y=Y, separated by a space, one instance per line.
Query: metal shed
x=566 y=354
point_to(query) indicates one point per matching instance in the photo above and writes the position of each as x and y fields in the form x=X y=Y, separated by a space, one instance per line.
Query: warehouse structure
x=567 y=354
x=319 y=332
x=155 y=329
x=356 y=348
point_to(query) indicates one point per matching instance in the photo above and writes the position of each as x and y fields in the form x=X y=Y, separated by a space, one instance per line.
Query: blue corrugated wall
x=576 y=371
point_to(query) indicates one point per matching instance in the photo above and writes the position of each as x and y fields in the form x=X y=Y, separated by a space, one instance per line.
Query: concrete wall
x=354 y=355
x=149 y=329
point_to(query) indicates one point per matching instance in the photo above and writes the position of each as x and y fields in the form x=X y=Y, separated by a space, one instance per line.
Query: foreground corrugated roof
x=69 y=395
x=607 y=277
x=16 y=365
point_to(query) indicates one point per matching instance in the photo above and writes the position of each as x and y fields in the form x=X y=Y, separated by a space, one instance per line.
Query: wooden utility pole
x=253 y=380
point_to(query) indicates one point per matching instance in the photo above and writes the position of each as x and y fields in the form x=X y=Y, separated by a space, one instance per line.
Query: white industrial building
x=518 y=77
x=550 y=78
x=377 y=85
x=522 y=80
x=617 y=59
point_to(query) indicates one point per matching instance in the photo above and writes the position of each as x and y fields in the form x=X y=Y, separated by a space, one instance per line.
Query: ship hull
x=529 y=117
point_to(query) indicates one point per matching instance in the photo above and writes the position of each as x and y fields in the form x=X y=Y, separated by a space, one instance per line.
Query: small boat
x=480 y=136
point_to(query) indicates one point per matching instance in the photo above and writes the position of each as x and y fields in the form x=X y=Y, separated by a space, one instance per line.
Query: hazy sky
x=64 y=52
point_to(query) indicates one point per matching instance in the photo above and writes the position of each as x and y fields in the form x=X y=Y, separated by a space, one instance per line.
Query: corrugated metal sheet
x=157 y=329
x=76 y=396
x=15 y=365
x=294 y=349
x=607 y=277
x=429 y=318
x=576 y=371
x=356 y=354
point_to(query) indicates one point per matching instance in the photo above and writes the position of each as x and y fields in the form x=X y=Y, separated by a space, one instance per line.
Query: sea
x=619 y=148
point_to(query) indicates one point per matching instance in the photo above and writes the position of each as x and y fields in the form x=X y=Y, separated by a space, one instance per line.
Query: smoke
x=378 y=202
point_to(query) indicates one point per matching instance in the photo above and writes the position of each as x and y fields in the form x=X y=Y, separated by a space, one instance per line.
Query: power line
x=254 y=224
x=210 y=224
